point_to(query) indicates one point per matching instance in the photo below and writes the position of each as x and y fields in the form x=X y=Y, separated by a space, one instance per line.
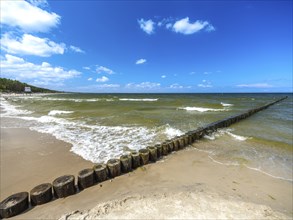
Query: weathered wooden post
x=126 y=163
x=153 y=153
x=144 y=156
x=64 y=186
x=101 y=172
x=159 y=150
x=114 y=167
x=14 y=205
x=165 y=149
x=135 y=159
x=85 y=178
x=41 y=194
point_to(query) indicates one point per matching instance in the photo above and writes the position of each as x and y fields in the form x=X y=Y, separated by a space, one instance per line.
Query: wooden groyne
x=67 y=185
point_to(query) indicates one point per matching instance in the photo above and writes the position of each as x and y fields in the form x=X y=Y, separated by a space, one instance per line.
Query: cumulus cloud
x=102 y=69
x=108 y=86
x=147 y=26
x=205 y=84
x=28 y=17
x=102 y=79
x=255 y=85
x=176 y=86
x=183 y=26
x=39 y=3
x=90 y=79
x=31 y=45
x=76 y=49
x=18 y=68
x=163 y=76
x=143 y=85
x=140 y=61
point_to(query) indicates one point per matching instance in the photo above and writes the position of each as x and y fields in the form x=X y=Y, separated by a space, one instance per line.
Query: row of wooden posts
x=65 y=185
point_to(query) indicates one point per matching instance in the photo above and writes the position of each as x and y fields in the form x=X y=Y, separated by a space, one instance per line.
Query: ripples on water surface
x=103 y=126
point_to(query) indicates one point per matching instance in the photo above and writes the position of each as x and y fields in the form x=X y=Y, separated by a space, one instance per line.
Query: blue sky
x=148 y=46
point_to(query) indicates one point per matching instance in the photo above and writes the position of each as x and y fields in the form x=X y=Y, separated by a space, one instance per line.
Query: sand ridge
x=183 y=205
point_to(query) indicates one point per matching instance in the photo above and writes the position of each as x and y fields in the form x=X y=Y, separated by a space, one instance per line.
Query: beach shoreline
x=183 y=174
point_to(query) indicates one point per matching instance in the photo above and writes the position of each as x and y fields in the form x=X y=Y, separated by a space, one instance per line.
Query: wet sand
x=29 y=158
x=186 y=184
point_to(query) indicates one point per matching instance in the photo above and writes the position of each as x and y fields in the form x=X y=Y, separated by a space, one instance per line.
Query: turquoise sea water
x=103 y=126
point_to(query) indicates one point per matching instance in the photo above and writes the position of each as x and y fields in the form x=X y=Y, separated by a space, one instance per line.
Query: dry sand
x=186 y=184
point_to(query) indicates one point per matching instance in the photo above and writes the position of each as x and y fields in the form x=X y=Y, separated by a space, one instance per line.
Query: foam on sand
x=184 y=205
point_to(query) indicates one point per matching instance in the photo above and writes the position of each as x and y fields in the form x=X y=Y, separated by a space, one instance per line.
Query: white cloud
x=143 y=85
x=169 y=25
x=176 y=86
x=18 y=68
x=147 y=26
x=76 y=49
x=90 y=79
x=39 y=3
x=102 y=79
x=27 y=17
x=31 y=45
x=102 y=69
x=205 y=84
x=255 y=85
x=183 y=26
x=140 y=61
x=86 y=68
x=163 y=76
x=108 y=86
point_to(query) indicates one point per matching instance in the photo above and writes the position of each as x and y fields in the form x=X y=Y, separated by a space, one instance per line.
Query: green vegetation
x=8 y=85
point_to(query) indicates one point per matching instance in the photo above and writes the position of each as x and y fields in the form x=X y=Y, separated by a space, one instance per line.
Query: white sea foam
x=172 y=132
x=223 y=131
x=251 y=168
x=201 y=109
x=226 y=104
x=237 y=137
x=138 y=100
x=98 y=143
x=12 y=110
x=59 y=112
x=210 y=137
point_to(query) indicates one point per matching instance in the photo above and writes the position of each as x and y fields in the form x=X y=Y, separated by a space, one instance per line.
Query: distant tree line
x=8 y=85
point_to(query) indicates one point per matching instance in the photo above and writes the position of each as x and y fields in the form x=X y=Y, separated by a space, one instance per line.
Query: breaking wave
x=201 y=109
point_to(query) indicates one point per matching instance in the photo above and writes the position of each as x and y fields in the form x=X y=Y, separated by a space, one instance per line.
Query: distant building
x=27 y=89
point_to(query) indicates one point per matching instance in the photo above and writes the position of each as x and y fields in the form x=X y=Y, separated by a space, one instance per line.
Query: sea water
x=104 y=126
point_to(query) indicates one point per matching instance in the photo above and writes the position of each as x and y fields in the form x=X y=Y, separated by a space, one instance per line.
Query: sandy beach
x=186 y=184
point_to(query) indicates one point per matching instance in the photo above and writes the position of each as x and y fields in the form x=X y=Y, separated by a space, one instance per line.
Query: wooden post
x=114 y=167
x=126 y=163
x=101 y=172
x=144 y=156
x=135 y=159
x=14 y=205
x=41 y=194
x=64 y=186
x=85 y=178
x=153 y=153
